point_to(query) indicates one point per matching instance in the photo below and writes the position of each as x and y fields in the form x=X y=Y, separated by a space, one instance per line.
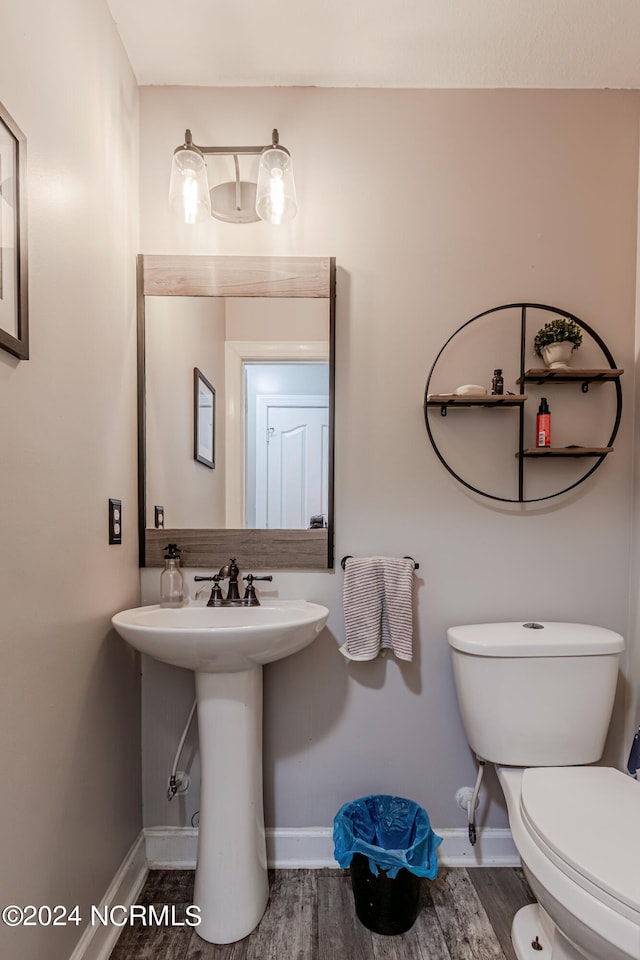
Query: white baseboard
x=300 y=847
x=171 y=848
x=495 y=848
x=312 y=848
x=98 y=940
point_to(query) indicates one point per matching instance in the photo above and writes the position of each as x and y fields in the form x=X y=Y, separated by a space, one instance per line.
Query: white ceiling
x=383 y=43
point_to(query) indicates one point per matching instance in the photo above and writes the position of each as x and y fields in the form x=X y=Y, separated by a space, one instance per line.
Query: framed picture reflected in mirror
x=204 y=418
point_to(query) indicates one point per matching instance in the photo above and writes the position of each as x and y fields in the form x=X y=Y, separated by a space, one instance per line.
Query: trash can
x=389 y=845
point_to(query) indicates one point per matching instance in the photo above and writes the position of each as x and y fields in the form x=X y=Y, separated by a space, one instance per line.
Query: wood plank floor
x=464 y=915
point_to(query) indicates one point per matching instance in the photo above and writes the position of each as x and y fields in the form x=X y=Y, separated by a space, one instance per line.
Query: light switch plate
x=115 y=521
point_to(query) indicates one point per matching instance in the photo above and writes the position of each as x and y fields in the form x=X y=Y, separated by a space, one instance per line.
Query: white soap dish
x=471 y=390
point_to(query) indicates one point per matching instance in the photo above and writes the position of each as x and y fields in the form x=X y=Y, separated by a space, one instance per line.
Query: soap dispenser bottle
x=172 y=591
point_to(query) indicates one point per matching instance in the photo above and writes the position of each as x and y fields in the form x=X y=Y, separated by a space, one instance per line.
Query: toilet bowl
x=536 y=700
x=576 y=831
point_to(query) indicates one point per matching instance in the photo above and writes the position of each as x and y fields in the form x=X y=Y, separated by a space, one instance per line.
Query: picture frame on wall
x=14 y=312
x=204 y=420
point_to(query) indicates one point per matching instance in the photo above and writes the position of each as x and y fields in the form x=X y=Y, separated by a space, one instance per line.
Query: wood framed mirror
x=262 y=330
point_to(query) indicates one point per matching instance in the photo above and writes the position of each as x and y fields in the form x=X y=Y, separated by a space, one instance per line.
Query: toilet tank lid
x=542 y=638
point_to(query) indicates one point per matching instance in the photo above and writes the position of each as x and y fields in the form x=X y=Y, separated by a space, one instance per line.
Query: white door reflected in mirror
x=286 y=429
x=291 y=462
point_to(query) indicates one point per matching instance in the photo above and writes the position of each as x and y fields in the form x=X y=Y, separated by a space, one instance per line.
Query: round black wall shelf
x=440 y=404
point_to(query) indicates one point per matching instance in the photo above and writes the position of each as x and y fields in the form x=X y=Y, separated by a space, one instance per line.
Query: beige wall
x=69 y=703
x=436 y=205
x=250 y=318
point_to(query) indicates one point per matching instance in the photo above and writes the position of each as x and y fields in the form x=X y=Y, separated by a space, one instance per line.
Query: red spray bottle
x=543 y=424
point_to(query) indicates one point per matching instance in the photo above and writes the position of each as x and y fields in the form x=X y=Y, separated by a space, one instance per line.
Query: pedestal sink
x=226 y=647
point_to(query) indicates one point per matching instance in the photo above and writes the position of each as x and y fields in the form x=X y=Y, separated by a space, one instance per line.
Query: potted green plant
x=556 y=341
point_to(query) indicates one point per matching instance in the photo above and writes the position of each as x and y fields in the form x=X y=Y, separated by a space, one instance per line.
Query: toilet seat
x=585 y=819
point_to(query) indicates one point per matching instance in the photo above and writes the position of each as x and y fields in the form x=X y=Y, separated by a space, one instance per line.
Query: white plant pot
x=557 y=355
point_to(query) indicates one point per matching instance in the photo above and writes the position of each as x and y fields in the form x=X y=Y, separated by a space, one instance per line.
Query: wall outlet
x=159 y=517
x=115 y=520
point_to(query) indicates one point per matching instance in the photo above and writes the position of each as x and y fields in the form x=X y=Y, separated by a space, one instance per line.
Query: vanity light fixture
x=272 y=198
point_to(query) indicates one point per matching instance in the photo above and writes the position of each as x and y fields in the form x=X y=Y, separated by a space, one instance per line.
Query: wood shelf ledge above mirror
x=200 y=276
x=252 y=549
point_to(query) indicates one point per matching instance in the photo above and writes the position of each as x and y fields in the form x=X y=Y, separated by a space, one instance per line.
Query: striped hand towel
x=378 y=609
x=397 y=606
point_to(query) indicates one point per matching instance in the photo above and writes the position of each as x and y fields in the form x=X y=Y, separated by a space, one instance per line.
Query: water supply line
x=174 y=784
x=473 y=802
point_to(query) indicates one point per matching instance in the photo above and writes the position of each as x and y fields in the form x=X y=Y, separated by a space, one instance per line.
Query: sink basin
x=222 y=639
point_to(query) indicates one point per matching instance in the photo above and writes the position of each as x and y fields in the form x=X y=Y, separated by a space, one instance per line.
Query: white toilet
x=536 y=699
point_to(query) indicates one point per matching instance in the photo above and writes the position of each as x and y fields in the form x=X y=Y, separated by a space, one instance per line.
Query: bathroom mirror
x=260 y=330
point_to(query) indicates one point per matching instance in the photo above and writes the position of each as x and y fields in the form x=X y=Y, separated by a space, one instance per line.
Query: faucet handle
x=250 y=598
x=216 y=598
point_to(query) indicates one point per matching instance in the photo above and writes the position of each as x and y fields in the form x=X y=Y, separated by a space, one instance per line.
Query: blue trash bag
x=390 y=831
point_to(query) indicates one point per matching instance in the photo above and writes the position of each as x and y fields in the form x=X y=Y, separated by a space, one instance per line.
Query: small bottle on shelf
x=497 y=384
x=543 y=424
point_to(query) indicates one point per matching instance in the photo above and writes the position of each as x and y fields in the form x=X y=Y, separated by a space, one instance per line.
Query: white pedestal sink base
x=231 y=885
x=226 y=647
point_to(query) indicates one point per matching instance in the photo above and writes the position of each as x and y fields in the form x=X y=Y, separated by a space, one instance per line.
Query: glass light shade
x=189 y=187
x=276 y=193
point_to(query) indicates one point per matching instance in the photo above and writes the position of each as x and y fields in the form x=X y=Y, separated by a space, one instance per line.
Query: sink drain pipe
x=174 y=784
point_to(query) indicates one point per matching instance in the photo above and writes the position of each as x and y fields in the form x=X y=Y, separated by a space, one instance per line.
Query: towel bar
x=343 y=562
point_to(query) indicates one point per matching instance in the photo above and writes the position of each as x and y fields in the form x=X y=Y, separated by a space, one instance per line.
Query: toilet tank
x=535 y=694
